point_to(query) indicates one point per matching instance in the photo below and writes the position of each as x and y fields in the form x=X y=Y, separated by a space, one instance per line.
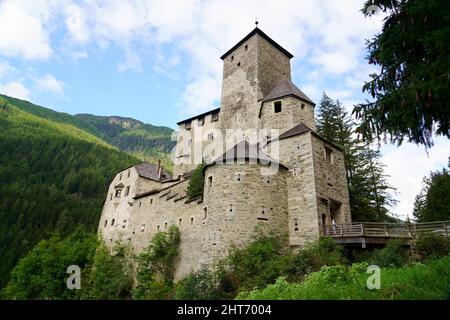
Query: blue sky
x=158 y=61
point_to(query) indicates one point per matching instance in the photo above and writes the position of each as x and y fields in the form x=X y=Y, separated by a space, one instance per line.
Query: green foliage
x=411 y=91
x=144 y=141
x=53 y=177
x=196 y=182
x=369 y=192
x=418 y=281
x=430 y=246
x=110 y=275
x=41 y=274
x=156 y=266
x=325 y=252
x=433 y=202
x=395 y=254
x=201 y=285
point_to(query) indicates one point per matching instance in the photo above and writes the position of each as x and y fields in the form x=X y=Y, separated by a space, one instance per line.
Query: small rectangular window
x=129 y=171
x=200 y=122
x=127 y=191
x=151 y=201
x=112 y=221
x=110 y=197
x=277 y=106
x=120 y=177
x=192 y=220
x=329 y=154
x=118 y=192
x=187 y=126
x=205 y=212
x=238 y=64
x=210 y=181
x=106 y=223
x=246 y=47
x=215 y=117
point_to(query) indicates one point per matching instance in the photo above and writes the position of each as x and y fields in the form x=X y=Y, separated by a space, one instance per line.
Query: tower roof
x=150 y=171
x=262 y=34
x=287 y=88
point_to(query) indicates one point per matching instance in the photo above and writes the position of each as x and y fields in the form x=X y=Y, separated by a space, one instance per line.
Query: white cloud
x=22 y=33
x=76 y=23
x=408 y=164
x=48 y=83
x=16 y=90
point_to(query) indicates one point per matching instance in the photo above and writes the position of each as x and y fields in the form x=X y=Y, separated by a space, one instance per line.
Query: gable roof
x=243 y=151
x=301 y=129
x=199 y=116
x=150 y=171
x=286 y=88
x=262 y=34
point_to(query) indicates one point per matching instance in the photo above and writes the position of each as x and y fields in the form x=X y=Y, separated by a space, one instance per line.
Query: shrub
x=324 y=252
x=196 y=182
x=200 y=285
x=156 y=266
x=431 y=246
x=394 y=254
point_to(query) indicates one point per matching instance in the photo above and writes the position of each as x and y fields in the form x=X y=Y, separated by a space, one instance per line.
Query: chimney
x=159 y=169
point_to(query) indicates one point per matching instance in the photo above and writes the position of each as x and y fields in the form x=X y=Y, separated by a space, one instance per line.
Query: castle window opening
x=205 y=212
x=237 y=177
x=232 y=58
x=192 y=220
x=231 y=209
x=238 y=64
x=329 y=155
x=211 y=136
x=143 y=228
x=215 y=117
x=118 y=192
x=134 y=231
x=120 y=177
x=157 y=227
x=165 y=226
x=295 y=224
x=112 y=221
x=277 y=106
x=302 y=106
x=140 y=203
x=110 y=197
x=106 y=223
x=246 y=47
x=127 y=191
x=210 y=181
x=201 y=121
x=187 y=126
x=124 y=223
x=129 y=171
x=179 y=221
x=151 y=201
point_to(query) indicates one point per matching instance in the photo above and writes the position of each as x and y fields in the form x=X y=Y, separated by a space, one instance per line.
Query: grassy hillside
x=144 y=141
x=53 y=178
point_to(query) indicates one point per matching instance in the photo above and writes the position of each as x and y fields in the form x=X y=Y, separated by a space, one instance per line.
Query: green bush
x=417 y=281
x=196 y=182
x=200 y=285
x=429 y=246
x=325 y=252
x=394 y=254
x=156 y=266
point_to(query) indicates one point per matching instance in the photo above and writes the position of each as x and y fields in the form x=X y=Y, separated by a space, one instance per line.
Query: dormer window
x=200 y=122
x=277 y=106
x=187 y=126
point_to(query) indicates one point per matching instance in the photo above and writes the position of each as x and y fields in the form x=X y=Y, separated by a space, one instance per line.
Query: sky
x=158 y=61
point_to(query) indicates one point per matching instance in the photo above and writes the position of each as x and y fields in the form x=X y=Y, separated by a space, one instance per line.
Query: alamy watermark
x=74 y=280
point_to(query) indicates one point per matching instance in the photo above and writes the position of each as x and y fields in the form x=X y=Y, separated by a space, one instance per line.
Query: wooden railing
x=394 y=230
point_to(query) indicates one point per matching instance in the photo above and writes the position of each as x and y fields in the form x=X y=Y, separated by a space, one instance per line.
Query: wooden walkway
x=364 y=233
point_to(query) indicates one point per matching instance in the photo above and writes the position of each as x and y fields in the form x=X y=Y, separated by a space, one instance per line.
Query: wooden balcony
x=380 y=233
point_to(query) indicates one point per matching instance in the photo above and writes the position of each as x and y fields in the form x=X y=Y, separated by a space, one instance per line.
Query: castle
x=265 y=166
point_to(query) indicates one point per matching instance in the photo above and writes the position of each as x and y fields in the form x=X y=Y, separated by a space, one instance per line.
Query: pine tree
x=369 y=192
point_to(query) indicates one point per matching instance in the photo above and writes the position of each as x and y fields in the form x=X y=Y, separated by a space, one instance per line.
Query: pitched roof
x=243 y=151
x=301 y=129
x=298 y=129
x=287 y=88
x=199 y=116
x=150 y=171
x=262 y=34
